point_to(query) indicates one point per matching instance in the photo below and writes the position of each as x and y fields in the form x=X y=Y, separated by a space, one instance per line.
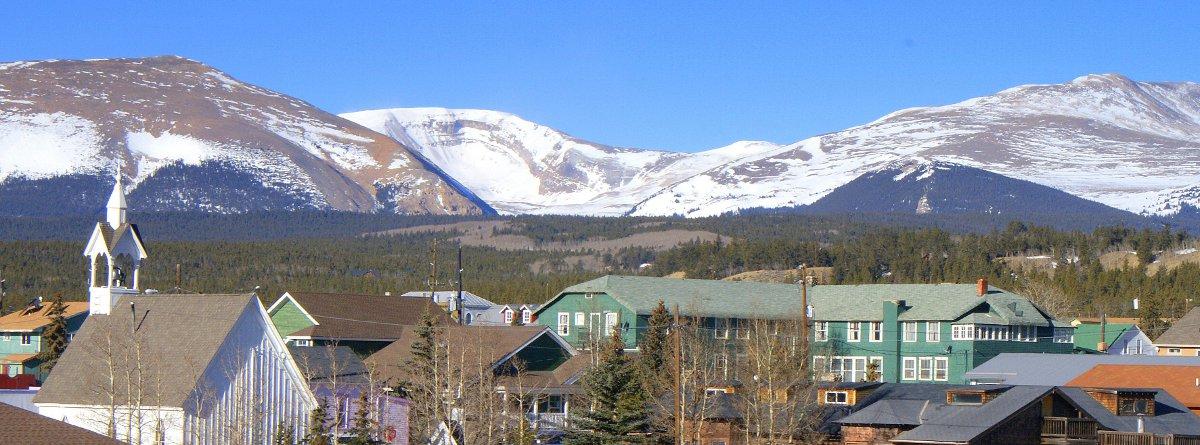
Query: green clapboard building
x=911 y=332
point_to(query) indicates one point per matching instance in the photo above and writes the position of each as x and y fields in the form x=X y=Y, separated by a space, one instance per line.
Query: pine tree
x=654 y=347
x=55 y=334
x=318 y=432
x=619 y=413
x=283 y=435
x=363 y=425
x=423 y=386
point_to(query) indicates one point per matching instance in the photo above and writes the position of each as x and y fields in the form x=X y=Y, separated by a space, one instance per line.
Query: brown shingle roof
x=355 y=316
x=27 y=321
x=18 y=426
x=1185 y=331
x=1178 y=381
x=177 y=337
x=485 y=343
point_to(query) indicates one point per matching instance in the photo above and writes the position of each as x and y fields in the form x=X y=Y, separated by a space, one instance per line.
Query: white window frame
x=879 y=361
x=821 y=331
x=1174 y=351
x=941 y=365
x=526 y=316
x=580 y=319
x=564 y=323
x=721 y=328
x=933 y=332
x=303 y=342
x=857 y=369
x=909 y=367
x=741 y=329
x=7 y=336
x=508 y=315
x=820 y=365
x=962 y=332
x=26 y=339
x=610 y=322
x=855 y=328
x=844 y=396
x=876 y=332
x=911 y=330
x=925 y=368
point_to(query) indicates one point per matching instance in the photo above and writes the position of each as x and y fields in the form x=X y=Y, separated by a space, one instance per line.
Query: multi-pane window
x=1064 y=335
x=741 y=329
x=819 y=364
x=837 y=397
x=721 y=328
x=941 y=368
x=962 y=332
x=821 y=331
x=933 y=331
x=1023 y=333
x=526 y=316
x=849 y=369
x=910 y=331
x=564 y=323
x=6 y=336
x=909 y=366
x=580 y=319
x=508 y=316
x=853 y=331
x=924 y=368
x=26 y=339
x=610 y=322
x=876 y=331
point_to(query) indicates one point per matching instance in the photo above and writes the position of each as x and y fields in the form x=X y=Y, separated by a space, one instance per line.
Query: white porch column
x=91 y=271
x=108 y=281
x=136 y=268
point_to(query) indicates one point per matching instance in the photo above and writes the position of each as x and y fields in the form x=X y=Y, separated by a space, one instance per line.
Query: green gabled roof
x=1087 y=335
x=745 y=299
x=709 y=298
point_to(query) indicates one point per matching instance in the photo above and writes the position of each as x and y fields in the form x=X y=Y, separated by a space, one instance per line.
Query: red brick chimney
x=983 y=286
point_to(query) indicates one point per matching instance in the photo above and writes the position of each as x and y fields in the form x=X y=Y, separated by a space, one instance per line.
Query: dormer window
x=966 y=398
x=1124 y=402
x=526 y=316
x=837 y=398
x=1133 y=407
x=508 y=316
x=973 y=395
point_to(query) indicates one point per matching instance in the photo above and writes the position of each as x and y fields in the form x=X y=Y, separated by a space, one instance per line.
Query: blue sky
x=680 y=76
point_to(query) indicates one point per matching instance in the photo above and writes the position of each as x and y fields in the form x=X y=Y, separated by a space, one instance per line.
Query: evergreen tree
x=619 y=413
x=655 y=347
x=283 y=435
x=363 y=425
x=318 y=431
x=424 y=387
x=54 y=335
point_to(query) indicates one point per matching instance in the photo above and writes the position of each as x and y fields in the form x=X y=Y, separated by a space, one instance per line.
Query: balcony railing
x=1124 y=438
x=547 y=421
x=1068 y=428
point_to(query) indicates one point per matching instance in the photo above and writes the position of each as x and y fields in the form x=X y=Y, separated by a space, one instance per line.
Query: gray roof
x=327 y=364
x=446 y=296
x=894 y=404
x=18 y=426
x=1185 y=331
x=962 y=423
x=1058 y=369
x=1170 y=416
x=745 y=299
x=177 y=337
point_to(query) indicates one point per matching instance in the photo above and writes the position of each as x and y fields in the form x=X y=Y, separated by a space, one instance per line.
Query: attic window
x=964 y=398
x=1134 y=406
x=837 y=397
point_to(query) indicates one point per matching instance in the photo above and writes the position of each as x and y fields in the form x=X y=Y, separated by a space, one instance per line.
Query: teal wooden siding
x=593 y=307
x=288 y=318
x=10 y=343
x=961 y=355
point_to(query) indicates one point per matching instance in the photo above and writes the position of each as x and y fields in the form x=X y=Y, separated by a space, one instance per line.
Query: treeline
x=1076 y=277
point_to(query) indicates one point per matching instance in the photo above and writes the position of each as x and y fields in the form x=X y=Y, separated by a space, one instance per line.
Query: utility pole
x=676 y=331
x=458 y=300
x=178 y=278
x=804 y=312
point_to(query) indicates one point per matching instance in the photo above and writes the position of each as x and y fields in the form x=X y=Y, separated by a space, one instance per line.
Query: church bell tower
x=115 y=253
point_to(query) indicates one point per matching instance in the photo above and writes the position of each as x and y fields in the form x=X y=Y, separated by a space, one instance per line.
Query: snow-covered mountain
x=518 y=166
x=190 y=137
x=1130 y=145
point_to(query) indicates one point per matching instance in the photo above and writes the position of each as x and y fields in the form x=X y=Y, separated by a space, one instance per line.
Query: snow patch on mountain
x=41 y=145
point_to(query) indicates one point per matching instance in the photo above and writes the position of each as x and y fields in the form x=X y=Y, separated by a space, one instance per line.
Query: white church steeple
x=117 y=205
x=115 y=253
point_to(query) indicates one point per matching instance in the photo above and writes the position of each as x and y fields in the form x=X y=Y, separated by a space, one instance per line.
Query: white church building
x=171 y=369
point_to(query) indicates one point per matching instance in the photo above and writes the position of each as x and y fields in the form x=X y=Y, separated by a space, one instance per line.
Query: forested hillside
x=328 y=252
